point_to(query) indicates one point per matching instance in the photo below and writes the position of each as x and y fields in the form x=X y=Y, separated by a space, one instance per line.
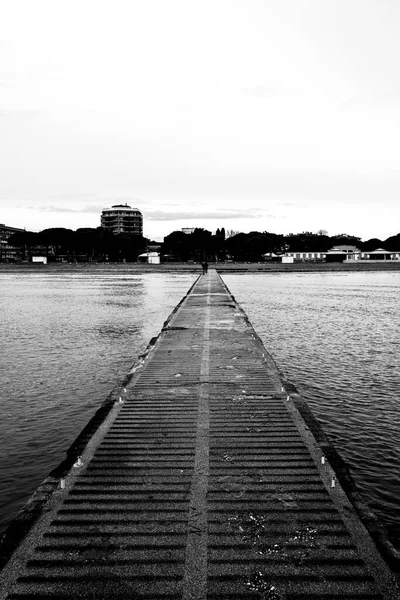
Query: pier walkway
x=203 y=482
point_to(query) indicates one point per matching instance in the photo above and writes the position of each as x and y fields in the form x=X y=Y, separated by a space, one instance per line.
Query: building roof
x=124 y=207
x=346 y=247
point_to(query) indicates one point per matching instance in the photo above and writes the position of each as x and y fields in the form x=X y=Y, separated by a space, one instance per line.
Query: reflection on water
x=67 y=339
x=336 y=337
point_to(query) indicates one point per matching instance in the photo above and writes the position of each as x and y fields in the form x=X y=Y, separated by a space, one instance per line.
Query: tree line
x=102 y=245
x=252 y=246
x=83 y=244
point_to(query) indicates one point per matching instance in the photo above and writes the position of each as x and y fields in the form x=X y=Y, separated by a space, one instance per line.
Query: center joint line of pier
x=195 y=574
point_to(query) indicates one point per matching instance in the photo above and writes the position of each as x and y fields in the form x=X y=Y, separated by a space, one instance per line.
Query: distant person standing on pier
x=205 y=267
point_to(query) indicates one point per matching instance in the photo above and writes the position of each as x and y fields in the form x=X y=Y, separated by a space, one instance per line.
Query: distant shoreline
x=235 y=267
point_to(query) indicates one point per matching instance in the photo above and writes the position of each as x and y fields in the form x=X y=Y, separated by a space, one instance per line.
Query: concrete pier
x=202 y=481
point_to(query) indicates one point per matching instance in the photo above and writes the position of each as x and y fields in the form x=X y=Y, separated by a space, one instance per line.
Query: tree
x=217 y=247
x=260 y=244
x=371 y=244
x=88 y=242
x=345 y=239
x=235 y=245
x=392 y=243
x=308 y=242
x=57 y=241
x=25 y=240
x=177 y=243
x=118 y=248
x=200 y=243
x=251 y=246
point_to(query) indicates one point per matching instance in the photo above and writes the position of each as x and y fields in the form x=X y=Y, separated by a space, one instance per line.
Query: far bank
x=193 y=267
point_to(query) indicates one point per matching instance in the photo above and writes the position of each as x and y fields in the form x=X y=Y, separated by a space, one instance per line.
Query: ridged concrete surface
x=204 y=483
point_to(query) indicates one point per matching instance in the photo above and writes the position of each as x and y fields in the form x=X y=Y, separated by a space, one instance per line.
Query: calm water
x=68 y=338
x=336 y=337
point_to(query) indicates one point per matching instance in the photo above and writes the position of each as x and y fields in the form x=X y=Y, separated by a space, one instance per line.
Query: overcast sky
x=268 y=115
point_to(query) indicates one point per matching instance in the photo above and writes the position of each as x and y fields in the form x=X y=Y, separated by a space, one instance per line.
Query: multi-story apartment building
x=8 y=252
x=121 y=218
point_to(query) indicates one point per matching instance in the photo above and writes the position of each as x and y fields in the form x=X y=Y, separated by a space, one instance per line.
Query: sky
x=253 y=115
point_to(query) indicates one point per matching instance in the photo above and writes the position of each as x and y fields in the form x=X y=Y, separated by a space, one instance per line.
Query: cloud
x=19 y=114
x=163 y=215
x=271 y=90
x=66 y=209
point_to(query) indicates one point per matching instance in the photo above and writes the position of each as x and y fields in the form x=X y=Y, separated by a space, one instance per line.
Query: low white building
x=379 y=254
x=39 y=260
x=270 y=256
x=152 y=258
x=344 y=254
x=376 y=255
x=306 y=256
